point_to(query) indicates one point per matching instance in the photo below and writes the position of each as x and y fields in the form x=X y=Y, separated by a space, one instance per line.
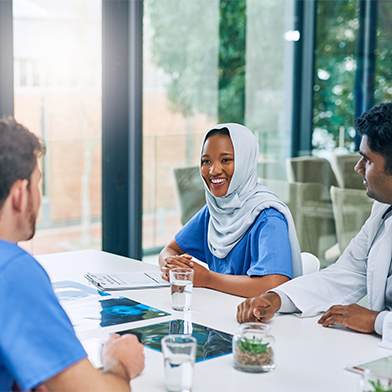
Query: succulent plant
x=254 y=345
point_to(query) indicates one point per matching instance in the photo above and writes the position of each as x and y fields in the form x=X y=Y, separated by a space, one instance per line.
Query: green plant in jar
x=253 y=352
x=378 y=387
x=253 y=348
x=254 y=345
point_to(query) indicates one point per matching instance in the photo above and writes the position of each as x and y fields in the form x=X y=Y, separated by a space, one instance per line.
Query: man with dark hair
x=365 y=265
x=38 y=346
x=375 y=124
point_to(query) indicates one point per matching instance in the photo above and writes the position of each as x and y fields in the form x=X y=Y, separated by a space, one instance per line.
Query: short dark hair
x=376 y=124
x=19 y=149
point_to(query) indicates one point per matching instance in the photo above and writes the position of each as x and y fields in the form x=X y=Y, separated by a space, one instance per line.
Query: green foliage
x=253 y=346
x=335 y=54
x=184 y=44
x=232 y=61
x=197 y=44
x=201 y=47
x=383 y=72
x=378 y=387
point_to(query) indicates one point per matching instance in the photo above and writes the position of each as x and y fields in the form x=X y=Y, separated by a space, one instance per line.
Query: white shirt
x=363 y=268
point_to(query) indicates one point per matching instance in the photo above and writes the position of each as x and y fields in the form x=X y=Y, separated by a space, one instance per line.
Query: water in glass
x=179 y=373
x=181 y=292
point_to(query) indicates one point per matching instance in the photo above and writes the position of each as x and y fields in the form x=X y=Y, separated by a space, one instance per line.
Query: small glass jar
x=254 y=348
x=372 y=383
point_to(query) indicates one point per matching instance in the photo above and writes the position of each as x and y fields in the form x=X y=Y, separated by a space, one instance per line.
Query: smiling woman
x=245 y=234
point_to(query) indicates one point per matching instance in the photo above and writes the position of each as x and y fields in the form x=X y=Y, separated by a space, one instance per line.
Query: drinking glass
x=179 y=353
x=181 y=284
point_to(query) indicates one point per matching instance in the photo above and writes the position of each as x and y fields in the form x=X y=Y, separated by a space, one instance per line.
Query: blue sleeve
x=270 y=246
x=37 y=340
x=192 y=238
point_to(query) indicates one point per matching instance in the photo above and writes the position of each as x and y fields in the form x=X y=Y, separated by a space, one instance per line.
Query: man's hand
x=352 y=316
x=258 y=308
x=123 y=351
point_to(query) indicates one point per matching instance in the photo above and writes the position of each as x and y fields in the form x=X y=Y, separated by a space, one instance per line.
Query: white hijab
x=232 y=215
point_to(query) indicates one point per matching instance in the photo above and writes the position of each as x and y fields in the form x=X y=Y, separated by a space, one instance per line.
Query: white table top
x=308 y=357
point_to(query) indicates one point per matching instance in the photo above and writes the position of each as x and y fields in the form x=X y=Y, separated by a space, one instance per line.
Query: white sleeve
x=378 y=325
x=343 y=283
x=286 y=304
x=386 y=341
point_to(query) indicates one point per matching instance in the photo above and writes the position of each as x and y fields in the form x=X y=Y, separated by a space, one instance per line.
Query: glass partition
x=57 y=82
x=383 y=71
x=209 y=62
x=334 y=85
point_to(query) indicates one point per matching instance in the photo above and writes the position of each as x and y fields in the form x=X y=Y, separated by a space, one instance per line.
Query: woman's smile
x=218 y=181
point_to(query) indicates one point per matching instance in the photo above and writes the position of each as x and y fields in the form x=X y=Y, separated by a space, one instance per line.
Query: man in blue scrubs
x=38 y=346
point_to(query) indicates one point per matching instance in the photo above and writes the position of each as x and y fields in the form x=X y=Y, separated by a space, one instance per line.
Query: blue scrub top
x=263 y=250
x=37 y=340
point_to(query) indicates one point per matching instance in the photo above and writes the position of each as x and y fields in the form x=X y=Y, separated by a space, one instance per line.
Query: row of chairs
x=339 y=172
x=325 y=217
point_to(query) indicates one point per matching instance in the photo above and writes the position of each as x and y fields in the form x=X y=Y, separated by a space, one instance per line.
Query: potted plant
x=253 y=348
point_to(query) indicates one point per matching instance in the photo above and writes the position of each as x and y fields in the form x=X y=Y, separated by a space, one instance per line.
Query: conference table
x=308 y=356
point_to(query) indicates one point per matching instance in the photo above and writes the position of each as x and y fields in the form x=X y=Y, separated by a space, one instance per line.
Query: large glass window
x=337 y=24
x=383 y=71
x=209 y=62
x=57 y=81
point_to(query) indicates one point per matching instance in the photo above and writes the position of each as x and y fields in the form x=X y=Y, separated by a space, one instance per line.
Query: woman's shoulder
x=269 y=214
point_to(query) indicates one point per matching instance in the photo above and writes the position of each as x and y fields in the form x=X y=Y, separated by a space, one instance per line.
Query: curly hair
x=19 y=149
x=376 y=124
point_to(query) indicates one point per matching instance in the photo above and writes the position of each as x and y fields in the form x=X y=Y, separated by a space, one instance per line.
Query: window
x=57 y=82
x=334 y=85
x=209 y=62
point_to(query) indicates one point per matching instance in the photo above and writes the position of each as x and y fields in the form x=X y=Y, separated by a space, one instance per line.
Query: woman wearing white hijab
x=245 y=234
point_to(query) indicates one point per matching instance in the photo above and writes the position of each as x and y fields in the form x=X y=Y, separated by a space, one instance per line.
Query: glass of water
x=181 y=284
x=179 y=353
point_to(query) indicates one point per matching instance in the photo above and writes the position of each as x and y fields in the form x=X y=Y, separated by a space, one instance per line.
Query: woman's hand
x=201 y=274
x=175 y=261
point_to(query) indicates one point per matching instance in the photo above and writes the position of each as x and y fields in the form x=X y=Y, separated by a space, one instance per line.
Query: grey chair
x=189 y=191
x=343 y=167
x=271 y=169
x=351 y=208
x=311 y=169
x=312 y=213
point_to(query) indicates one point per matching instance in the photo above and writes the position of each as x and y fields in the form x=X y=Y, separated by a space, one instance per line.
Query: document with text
x=127 y=280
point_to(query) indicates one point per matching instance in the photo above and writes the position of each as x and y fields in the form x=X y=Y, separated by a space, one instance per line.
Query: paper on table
x=95 y=313
x=93 y=347
x=67 y=290
x=127 y=280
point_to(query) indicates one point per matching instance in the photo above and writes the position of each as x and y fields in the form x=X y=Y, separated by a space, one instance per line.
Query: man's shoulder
x=9 y=252
x=379 y=209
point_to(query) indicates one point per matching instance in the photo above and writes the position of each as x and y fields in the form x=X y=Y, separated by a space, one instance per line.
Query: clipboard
x=127 y=280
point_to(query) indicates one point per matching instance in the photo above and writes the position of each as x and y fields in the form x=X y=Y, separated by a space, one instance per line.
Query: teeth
x=218 y=180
